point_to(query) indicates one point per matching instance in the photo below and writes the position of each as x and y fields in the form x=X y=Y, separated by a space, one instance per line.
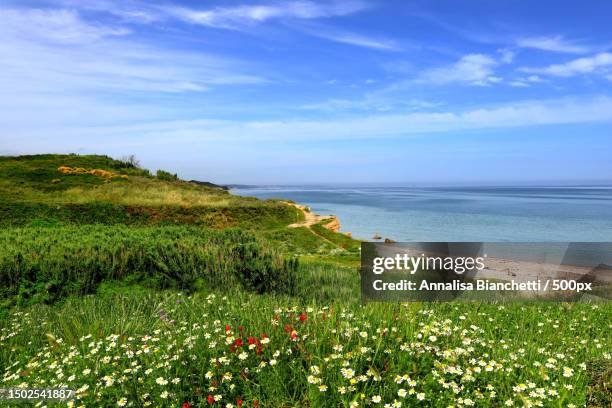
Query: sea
x=458 y=214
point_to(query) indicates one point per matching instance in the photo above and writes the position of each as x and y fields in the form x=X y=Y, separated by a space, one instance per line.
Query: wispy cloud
x=370 y=104
x=600 y=63
x=236 y=17
x=57 y=51
x=471 y=69
x=554 y=44
x=525 y=82
x=357 y=40
x=510 y=115
x=506 y=55
x=54 y=25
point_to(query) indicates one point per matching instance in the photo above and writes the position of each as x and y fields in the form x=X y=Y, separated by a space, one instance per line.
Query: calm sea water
x=487 y=214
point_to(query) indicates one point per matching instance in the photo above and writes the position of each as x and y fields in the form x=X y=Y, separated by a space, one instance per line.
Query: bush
x=166 y=176
x=129 y=162
x=46 y=264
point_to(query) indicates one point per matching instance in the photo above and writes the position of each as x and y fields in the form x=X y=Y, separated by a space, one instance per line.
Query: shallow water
x=487 y=214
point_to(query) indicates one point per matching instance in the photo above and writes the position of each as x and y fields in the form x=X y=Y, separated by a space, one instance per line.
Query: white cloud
x=190 y=132
x=599 y=63
x=553 y=44
x=472 y=69
x=507 y=56
x=238 y=16
x=526 y=81
x=357 y=40
x=57 y=51
x=372 y=104
x=54 y=25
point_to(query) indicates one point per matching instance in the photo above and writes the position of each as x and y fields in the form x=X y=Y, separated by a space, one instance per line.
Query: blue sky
x=410 y=92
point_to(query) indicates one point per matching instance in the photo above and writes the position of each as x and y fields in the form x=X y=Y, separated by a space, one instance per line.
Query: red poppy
x=255 y=403
x=303 y=317
x=239 y=402
x=287 y=328
x=294 y=335
x=185 y=405
x=228 y=328
x=238 y=342
x=210 y=399
x=232 y=347
x=251 y=340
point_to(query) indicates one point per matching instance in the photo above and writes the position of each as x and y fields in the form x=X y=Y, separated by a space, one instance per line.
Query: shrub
x=129 y=162
x=166 y=176
x=46 y=264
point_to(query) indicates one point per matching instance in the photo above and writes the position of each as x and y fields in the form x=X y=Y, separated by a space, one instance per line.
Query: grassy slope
x=519 y=338
x=34 y=193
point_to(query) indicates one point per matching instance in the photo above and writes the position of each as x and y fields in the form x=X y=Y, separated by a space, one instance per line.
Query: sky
x=294 y=92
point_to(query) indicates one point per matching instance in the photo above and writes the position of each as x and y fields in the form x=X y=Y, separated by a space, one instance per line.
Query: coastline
x=310 y=219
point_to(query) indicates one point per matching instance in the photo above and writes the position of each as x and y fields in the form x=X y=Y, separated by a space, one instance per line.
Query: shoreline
x=311 y=218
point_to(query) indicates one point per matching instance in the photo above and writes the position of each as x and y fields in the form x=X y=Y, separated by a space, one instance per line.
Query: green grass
x=447 y=353
x=34 y=192
x=47 y=264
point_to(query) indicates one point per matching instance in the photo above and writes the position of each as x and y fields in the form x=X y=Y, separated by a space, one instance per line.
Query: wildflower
x=347 y=373
x=376 y=399
x=420 y=396
x=303 y=317
x=567 y=372
x=161 y=381
x=322 y=387
x=402 y=393
x=210 y=399
x=122 y=402
x=185 y=405
x=313 y=380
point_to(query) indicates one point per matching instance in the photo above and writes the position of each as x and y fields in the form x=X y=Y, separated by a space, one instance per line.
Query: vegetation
x=154 y=291
x=166 y=176
x=46 y=264
x=144 y=348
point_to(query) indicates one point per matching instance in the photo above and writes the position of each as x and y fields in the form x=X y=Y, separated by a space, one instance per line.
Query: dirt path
x=311 y=219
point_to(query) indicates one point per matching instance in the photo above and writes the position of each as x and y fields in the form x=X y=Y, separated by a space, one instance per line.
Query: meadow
x=152 y=291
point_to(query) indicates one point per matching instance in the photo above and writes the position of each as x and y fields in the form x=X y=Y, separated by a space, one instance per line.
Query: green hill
x=34 y=192
x=52 y=207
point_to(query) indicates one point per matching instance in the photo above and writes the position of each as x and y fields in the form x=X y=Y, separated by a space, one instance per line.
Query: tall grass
x=44 y=264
